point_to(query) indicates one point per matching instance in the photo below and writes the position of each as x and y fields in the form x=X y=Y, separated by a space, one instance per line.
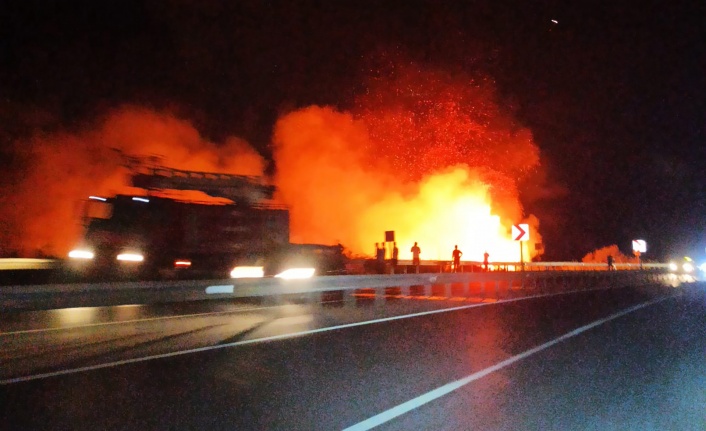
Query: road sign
x=639 y=245
x=520 y=232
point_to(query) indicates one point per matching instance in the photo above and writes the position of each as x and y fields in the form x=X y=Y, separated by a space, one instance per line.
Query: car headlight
x=247 y=272
x=81 y=254
x=688 y=267
x=130 y=257
x=673 y=266
x=296 y=273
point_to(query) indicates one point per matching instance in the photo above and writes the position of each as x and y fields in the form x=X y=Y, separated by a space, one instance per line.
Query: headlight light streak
x=296 y=273
x=247 y=272
x=130 y=257
x=81 y=254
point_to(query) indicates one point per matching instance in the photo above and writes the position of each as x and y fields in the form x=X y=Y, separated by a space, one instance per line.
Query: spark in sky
x=427 y=154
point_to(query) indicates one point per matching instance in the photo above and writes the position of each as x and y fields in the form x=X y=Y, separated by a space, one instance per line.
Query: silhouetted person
x=610 y=263
x=380 y=257
x=485 y=261
x=456 y=255
x=415 y=255
x=395 y=255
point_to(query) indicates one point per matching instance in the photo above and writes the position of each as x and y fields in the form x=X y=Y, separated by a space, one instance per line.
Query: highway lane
x=40 y=342
x=341 y=378
x=643 y=371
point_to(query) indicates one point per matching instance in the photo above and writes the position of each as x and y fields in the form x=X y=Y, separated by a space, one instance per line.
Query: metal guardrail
x=14 y=264
x=476 y=266
x=483 y=284
x=28 y=263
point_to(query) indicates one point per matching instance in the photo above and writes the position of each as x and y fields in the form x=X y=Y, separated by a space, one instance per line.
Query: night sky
x=613 y=92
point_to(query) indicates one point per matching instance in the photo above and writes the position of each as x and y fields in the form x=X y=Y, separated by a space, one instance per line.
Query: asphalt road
x=606 y=360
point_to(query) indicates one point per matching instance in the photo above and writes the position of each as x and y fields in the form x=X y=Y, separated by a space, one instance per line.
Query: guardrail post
x=446 y=290
x=380 y=297
x=349 y=299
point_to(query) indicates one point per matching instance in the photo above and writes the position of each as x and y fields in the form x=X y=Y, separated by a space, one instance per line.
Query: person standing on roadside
x=416 y=251
x=456 y=255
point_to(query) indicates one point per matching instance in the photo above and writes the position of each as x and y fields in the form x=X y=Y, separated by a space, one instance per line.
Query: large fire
x=430 y=156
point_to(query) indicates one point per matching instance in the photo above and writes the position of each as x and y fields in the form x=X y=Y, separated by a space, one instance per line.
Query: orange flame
x=429 y=156
x=336 y=192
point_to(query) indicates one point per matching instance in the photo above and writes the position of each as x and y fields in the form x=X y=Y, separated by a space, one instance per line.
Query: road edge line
x=439 y=392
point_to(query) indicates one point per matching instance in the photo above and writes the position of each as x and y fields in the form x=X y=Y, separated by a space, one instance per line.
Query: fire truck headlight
x=296 y=273
x=81 y=254
x=247 y=272
x=130 y=257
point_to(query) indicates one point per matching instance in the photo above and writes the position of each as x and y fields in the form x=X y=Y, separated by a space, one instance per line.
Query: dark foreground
x=110 y=368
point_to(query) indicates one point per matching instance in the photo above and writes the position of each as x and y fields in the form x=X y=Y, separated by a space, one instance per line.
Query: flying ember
x=428 y=155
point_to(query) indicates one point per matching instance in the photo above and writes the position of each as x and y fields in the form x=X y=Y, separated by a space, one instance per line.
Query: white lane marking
x=270 y=338
x=149 y=319
x=439 y=392
x=227 y=288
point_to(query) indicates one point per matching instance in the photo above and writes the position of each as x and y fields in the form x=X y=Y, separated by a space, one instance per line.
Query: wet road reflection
x=328 y=379
x=17 y=321
x=40 y=342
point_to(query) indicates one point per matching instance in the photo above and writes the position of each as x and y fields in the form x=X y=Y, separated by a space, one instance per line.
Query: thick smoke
x=432 y=156
x=41 y=213
x=601 y=255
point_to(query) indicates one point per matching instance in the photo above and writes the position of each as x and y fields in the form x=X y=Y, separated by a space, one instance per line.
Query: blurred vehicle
x=153 y=236
x=684 y=265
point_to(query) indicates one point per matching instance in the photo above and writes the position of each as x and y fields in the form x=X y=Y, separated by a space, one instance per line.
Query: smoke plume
x=601 y=255
x=431 y=156
x=41 y=213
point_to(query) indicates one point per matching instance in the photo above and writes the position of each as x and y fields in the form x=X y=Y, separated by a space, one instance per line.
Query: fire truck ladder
x=147 y=174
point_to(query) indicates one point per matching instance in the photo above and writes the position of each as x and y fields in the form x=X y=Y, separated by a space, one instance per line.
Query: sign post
x=639 y=246
x=390 y=238
x=520 y=233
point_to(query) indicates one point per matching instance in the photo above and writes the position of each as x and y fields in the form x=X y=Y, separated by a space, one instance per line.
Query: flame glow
x=429 y=155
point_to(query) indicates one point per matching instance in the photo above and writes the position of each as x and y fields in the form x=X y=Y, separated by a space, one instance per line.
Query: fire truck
x=155 y=236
